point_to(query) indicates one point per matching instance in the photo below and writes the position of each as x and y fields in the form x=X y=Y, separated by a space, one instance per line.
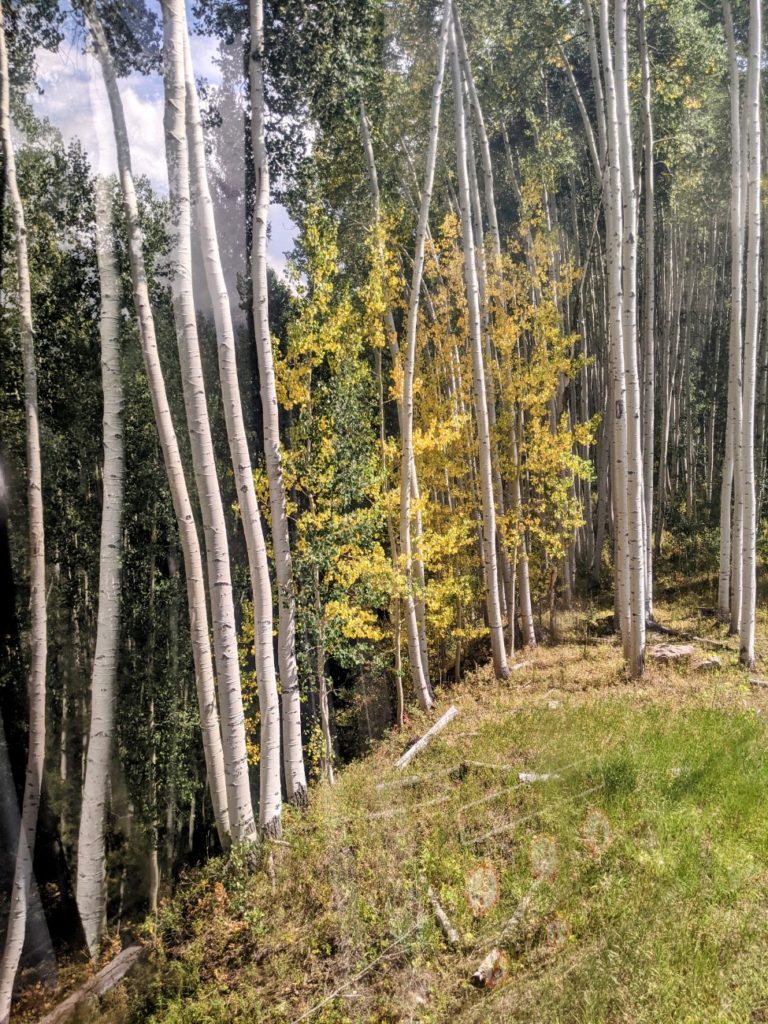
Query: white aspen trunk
x=261 y=588
x=391 y=332
x=597 y=82
x=634 y=464
x=418 y=675
x=751 y=338
x=649 y=308
x=241 y=816
x=190 y=545
x=293 y=753
x=36 y=681
x=724 y=601
x=614 y=244
x=501 y=668
x=489 y=193
x=91 y=866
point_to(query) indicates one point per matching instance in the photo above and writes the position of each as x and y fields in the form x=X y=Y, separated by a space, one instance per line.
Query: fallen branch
x=656 y=627
x=419 y=745
x=97 y=986
x=450 y=933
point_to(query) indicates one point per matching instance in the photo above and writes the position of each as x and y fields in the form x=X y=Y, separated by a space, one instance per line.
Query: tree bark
x=91 y=866
x=501 y=668
x=419 y=675
x=293 y=754
x=190 y=545
x=751 y=339
x=724 y=597
x=261 y=587
x=36 y=682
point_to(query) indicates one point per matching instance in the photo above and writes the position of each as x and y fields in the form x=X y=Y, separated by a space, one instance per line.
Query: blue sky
x=72 y=98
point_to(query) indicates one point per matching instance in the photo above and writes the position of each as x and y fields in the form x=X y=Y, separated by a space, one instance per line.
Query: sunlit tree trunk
x=416 y=525
x=91 y=868
x=481 y=402
x=261 y=588
x=734 y=347
x=418 y=675
x=634 y=461
x=751 y=337
x=22 y=878
x=190 y=545
x=649 y=308
x=293 y=754
x=193 y=386
x=612 y=198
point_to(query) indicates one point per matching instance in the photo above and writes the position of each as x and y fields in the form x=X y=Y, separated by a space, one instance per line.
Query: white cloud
x=74 y=99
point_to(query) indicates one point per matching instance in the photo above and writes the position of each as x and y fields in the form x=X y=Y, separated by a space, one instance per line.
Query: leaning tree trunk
x=190 y=545
x=22 y=878
x=261 y=588
x=418 y=674
x=91 y=867
x=734 y=346
x=203 y=461
x=500 y=666
x=751 y=334
x=293 y=755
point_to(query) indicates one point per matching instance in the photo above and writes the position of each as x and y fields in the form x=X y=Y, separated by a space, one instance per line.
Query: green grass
x=643 y=864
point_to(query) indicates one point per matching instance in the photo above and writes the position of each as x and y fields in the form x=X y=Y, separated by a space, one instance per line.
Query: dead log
x=419 y=745
x=99 y=985
x=450 y=933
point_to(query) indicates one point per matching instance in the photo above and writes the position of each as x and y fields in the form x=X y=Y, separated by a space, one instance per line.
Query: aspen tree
x=211 y=506
x=480 y=397
x=649 y=304
x=394 y=349
x=634 y=462
x=724 y=596
x=36 y=680
x=261 y=589
x=751 y=335
x=190 y=544
x=91 y=867
x=419 y=678
x=612 y=198
x=293 y=754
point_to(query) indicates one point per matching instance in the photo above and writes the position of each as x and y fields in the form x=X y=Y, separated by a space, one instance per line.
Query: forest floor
x=630 y=885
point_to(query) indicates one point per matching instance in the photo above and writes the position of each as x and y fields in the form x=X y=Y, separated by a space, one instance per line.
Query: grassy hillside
x=630 y=885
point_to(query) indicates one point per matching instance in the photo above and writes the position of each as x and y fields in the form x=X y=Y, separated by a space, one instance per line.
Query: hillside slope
x=622 y=877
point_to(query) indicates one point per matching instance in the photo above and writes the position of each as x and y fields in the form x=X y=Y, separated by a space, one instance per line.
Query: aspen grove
x=349 y=349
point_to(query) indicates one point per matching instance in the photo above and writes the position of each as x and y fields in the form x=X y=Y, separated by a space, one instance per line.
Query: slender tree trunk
x=91 y=867
x=734 y=348
x=481 y=402
x=418 y=674
x=751 y=337
x=293 y=753
x=391 y=333
x=193 y=385
x=190 y=545
x=634 y=463
x=649 y=309
x=261 y=588
x=22 y=878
